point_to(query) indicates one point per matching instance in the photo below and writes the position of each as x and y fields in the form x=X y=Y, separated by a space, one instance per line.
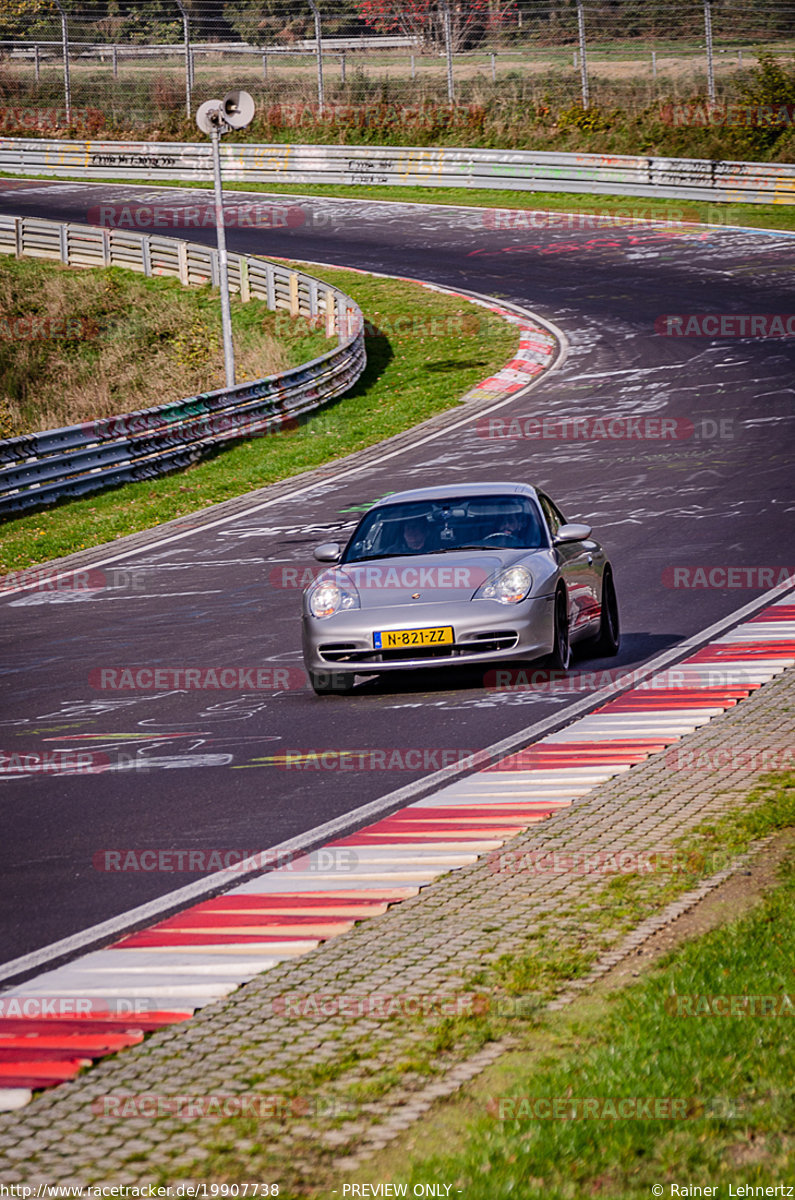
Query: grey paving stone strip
x=351 y=1081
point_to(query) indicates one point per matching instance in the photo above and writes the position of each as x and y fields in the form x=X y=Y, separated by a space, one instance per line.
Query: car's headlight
x=509 y=587
x=328 y=597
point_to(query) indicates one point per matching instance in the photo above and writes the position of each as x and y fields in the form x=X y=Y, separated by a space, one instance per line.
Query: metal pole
x=448 y=45
x=36 y=60
x=710 y=63
x=342 y=67
x=115 y=62
x=413 y=68
x=583 y=60
x=66 y=84
x=739 y=59
x=264 y=66
x=654 y=64
x=493 y=69
x=188 y=64
x=319 y=48
x=223 y=264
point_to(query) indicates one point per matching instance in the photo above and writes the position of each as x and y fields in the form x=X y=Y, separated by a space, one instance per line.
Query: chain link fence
x=142 y=69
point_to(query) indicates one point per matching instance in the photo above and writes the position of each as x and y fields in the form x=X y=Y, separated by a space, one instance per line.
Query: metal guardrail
x=40 y=468
x=626 y=175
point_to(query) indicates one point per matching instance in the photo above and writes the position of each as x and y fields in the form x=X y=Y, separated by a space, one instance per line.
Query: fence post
x=65 y=42
x=493 y=69
x=654 y=64
x=583 y=59
x=448 y=45
x=264 y=66
x=342 y=67
x=36 y=60
x=188 y=64
x=115 y=61
x=710 y=63
x=331 y=314
x=319 y=50
x=245 y=286
x=294 y=309
x=413 y=67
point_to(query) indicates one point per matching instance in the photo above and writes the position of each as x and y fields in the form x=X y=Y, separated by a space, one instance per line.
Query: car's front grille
x=478 y=643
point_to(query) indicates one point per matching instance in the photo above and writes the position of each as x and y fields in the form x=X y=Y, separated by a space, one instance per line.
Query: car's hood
x=435 y=578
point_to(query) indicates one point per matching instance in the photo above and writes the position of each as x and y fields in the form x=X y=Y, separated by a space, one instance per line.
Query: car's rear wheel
x=560 y=658
x=608 y=638
x=329 y=683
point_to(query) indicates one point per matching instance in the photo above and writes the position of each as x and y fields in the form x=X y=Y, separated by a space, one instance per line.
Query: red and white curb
x=163 y=973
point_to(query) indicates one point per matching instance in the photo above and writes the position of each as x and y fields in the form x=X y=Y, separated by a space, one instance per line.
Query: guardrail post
x=63 y=239
x=106 y=255
x=146 y=256
x=182 y=260
x=245 y=287
x=331 y=314
x=294 y=310
x=19 y=236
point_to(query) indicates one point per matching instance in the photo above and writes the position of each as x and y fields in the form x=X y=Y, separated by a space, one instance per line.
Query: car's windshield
x=440 y=526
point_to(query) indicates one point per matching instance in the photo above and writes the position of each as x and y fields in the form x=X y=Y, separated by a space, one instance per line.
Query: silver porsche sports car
x=464 y=574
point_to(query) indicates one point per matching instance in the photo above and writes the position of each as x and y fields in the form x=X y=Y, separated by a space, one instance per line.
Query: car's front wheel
x=560 y=658
x=329 y=683
x=607 y=640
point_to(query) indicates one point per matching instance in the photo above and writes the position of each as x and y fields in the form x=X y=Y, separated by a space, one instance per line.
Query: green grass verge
x=425 y=351
x=487 y=1158
x=733 y=1072
x=756 y=216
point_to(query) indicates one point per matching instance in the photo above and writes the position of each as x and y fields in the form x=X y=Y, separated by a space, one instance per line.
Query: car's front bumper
x=484 y=632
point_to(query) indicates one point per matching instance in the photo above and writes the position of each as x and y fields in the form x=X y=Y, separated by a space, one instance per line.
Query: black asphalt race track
x=197 y=772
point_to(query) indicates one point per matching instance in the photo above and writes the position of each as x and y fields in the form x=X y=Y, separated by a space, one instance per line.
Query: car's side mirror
x=329 y=552
x=572 y=533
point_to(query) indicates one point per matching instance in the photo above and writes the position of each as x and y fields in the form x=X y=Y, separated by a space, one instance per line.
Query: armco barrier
x=41 y=468
x=627 y=175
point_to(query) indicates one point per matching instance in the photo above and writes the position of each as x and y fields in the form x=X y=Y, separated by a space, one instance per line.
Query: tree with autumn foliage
x=424 y=20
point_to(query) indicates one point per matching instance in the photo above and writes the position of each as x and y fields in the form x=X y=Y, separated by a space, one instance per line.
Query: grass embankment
x=524 y=108
x=424 y=351
x=77 y=345
x=667 y=1038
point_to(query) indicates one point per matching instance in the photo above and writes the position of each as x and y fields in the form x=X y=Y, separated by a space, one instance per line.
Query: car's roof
x=460 y=490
